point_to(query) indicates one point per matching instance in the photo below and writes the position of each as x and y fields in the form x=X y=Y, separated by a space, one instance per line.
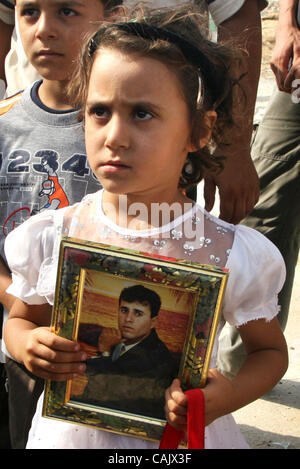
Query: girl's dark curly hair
x=182 y=43
x=108 y=4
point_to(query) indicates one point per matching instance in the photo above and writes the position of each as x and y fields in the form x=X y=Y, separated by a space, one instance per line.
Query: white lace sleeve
x=31 y=251
x=256 y=276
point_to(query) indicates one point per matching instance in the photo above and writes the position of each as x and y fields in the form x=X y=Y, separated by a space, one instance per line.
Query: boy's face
x=52 y=32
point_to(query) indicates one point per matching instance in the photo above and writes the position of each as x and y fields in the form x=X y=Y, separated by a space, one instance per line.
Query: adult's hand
x=238 y=186
x=285 y=62
x=238 y=182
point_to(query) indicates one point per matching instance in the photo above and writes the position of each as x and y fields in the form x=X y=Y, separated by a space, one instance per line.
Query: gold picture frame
x=88 y=308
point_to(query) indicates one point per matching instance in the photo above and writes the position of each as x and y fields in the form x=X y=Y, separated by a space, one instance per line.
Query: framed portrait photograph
x=142 y=321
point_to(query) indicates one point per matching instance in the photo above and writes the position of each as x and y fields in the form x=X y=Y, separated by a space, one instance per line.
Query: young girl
x=155 y=95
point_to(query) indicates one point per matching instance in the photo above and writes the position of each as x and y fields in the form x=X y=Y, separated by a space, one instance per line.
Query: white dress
x=256 y=275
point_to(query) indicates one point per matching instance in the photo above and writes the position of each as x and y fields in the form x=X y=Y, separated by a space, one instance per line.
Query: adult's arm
x=238 y=183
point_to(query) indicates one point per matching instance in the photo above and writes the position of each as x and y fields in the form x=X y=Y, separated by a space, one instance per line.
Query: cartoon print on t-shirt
x=51 y=187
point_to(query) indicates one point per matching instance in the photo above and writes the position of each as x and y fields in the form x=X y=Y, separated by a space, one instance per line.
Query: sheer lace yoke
x=194 y=235
x=256 y=269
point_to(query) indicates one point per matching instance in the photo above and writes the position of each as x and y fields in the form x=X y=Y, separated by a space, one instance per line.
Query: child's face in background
x=52 y=32
x=137 y=126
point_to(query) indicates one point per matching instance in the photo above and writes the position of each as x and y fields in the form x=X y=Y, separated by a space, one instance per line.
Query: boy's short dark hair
x=143 y=295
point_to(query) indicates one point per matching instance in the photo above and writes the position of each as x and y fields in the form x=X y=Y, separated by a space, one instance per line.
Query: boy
x=42 y=152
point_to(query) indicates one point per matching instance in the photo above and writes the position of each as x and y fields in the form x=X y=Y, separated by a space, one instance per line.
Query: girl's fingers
x=53 y=341
x=178 y=424
x=57 y=356
x=176 y=419
x=60 y=368
x=176 y=393
x=175 y=408
x=176 y=401
x=52 y=357
x=55 y=371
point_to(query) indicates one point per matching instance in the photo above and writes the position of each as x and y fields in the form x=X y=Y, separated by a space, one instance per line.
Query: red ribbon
x=195 y=424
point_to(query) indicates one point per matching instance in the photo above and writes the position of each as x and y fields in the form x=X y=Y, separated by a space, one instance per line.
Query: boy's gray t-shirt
x=43 y=162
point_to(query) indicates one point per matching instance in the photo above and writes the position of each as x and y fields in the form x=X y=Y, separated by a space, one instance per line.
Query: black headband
x=206 y=68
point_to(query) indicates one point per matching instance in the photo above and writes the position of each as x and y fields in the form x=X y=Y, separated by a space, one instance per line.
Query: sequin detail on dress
x=196 y=236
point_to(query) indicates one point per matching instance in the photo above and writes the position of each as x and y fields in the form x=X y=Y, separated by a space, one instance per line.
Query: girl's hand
x=217 y=398
x=176 y=406
x=52 y=357
x=218 y=394
x=266 y=363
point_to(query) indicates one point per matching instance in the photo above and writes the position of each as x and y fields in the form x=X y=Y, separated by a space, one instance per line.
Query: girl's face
x=52 y=32
x=137 y=126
